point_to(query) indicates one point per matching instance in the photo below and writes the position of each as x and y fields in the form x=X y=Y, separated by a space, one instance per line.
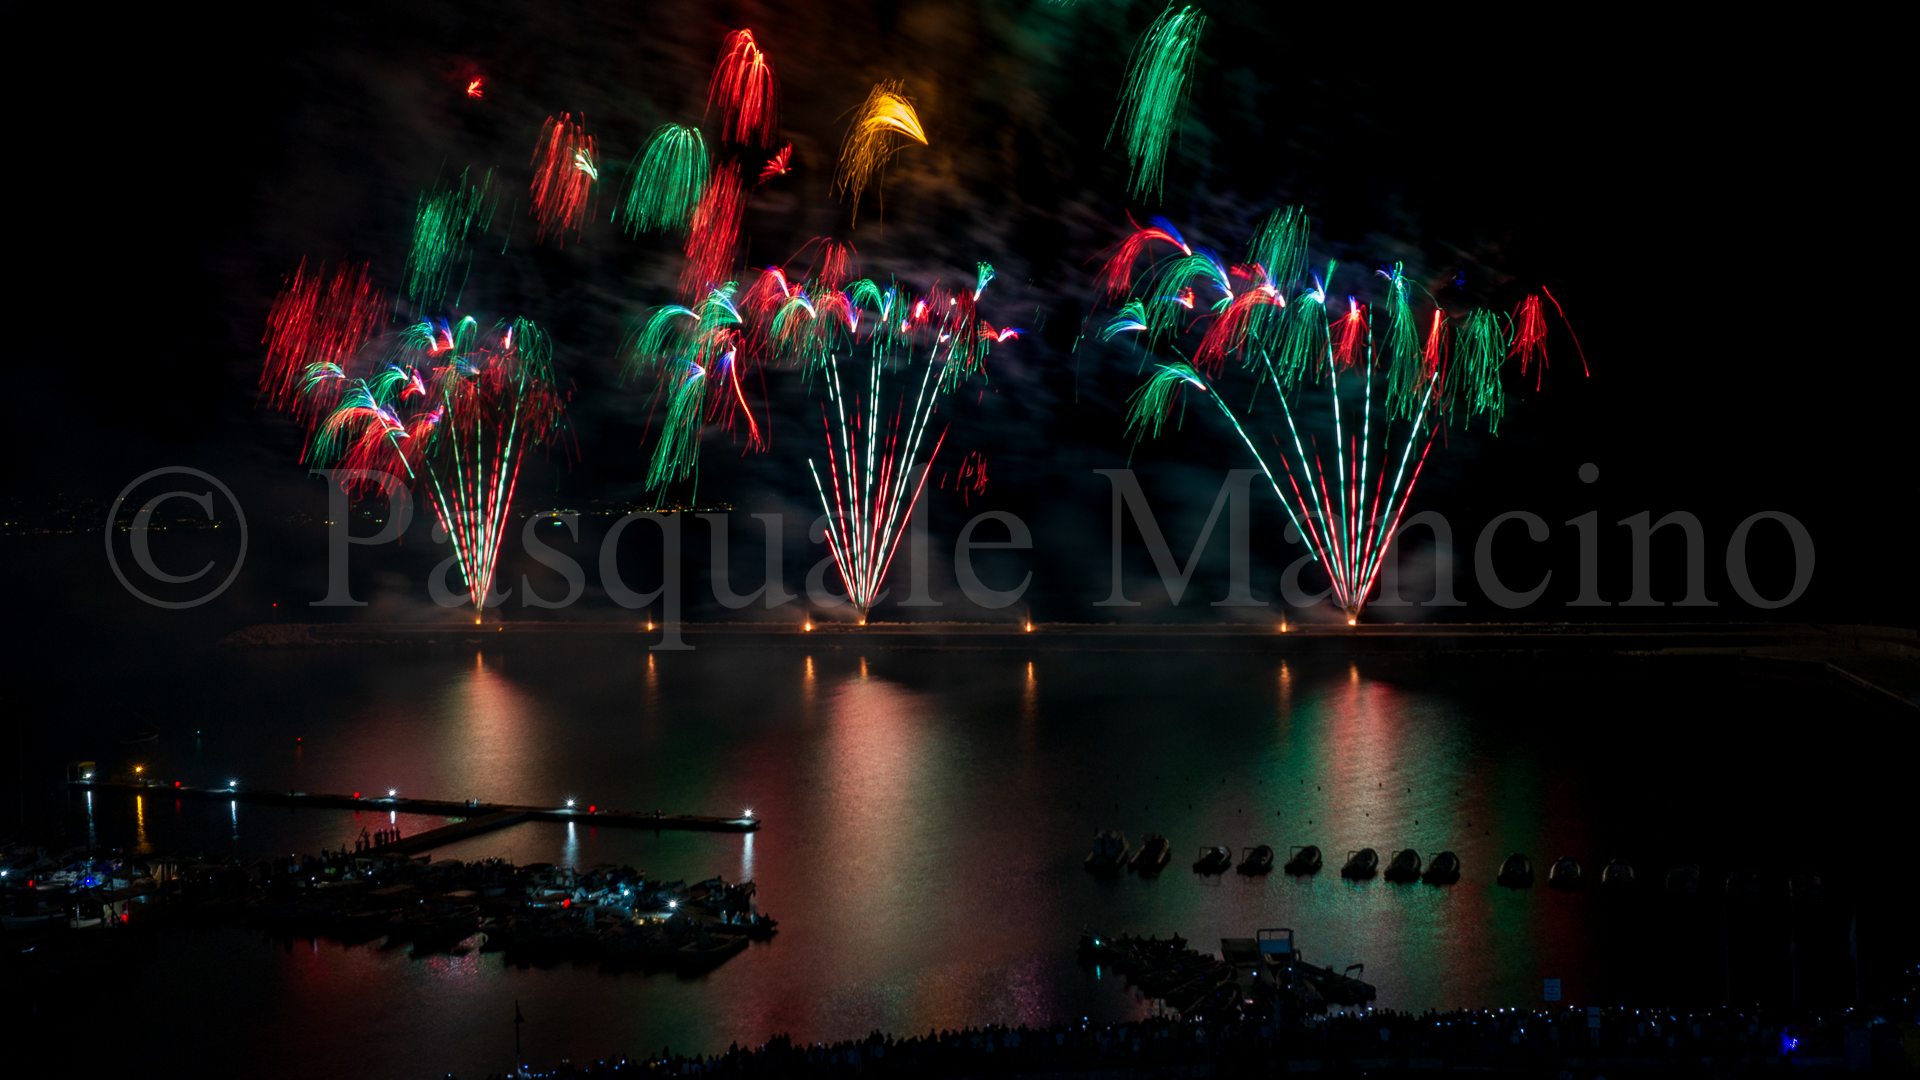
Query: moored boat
x=1442 y=869
x=1405 y=866
x=1361 y=864
x=1109 y=852
x=1617 y=875
x=1256 y=860
x=1516 y=872
x=1153 y=855
x=1302 y=861
x=1567 y=874
x=1213 y=860
x=707 y=951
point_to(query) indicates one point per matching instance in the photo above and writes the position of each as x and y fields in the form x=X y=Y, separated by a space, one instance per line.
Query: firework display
x=316 y=328
x=438 y=396
x=882 y=126
x=667 y=183
x=874 y=474
x=565 y=170
x=713 y=240
x=446 y=218
x=745 y=92
x=1270 y=317
x=1159 y=80
x=450 y=405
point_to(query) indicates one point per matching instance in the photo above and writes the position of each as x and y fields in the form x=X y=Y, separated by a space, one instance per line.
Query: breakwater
x=497 y=814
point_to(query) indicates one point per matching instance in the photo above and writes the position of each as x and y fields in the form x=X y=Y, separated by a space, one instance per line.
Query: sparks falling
x=667 y=181
x=745 y=91
x=315 y=332
x=883 y=125
x=1159 y=81
x=443 y=225
x=713 y=236
x=565 y=171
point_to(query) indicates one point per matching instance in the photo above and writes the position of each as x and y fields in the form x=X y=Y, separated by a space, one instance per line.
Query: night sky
x=1713 y=213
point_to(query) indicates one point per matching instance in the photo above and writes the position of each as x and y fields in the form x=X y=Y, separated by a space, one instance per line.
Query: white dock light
x=233 y=784
x=569 y=803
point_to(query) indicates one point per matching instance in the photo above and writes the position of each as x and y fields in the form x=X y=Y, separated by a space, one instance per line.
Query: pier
x=477 y=817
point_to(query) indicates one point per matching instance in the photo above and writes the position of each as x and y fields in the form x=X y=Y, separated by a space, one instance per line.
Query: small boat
x=143 y=733
x=1442 y=869
x=1405 y=866
x=1683 y=880
x=1256 y=860
x=1361 y=864
x=1516 y=872
x=473 y=942
x=707 y=951
x=1109 y=853
x=1566 y=874
x=1153 y=855
x=1617 y=875
x=1213 y=860
x=1302 y=861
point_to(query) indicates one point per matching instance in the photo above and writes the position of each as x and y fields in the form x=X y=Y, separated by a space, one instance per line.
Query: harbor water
x=926 y=814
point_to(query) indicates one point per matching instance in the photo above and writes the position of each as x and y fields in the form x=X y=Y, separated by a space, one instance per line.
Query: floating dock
x=478 y=817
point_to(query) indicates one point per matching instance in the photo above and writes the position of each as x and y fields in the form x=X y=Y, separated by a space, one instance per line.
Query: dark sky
x=1711 y=204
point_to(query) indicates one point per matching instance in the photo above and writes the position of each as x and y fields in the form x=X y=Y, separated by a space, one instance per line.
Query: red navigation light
x=591 y=809
x=567 y=903
x=356 y=794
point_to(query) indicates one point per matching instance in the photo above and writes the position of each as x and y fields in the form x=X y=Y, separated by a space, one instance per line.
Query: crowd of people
x=1563 y=1042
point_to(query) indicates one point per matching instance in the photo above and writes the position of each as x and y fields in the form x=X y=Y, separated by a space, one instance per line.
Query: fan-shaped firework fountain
x=1271 y=316
x=454 y=406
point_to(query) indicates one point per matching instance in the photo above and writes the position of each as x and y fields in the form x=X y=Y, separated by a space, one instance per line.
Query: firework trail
x=874 y=475
x=1159 y=77
x=745 y=91
x=668 y=181
x=475 y=87
x=713 y=236
x=565 y=170
x=454 y=407
x=441 y=224
x=315 y=330
x=1277 y=327
x=884 y=124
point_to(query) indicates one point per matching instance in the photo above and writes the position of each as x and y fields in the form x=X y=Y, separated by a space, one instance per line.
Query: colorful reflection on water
x=926 y=816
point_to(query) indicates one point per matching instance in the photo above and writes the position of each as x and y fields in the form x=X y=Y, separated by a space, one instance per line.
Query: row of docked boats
x=1111 y=855
x=1405 y=867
